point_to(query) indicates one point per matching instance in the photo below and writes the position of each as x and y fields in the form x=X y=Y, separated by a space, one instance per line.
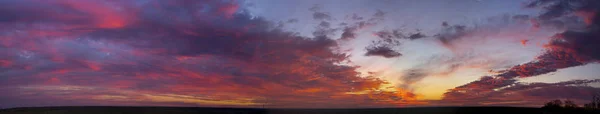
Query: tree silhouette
x=570 y=104
x=554 y=104
x=595 y=104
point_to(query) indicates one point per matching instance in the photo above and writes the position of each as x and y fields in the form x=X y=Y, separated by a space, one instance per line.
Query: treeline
x=568 y=104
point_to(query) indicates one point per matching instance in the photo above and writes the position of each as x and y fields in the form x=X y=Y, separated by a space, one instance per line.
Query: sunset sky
x=298 y=53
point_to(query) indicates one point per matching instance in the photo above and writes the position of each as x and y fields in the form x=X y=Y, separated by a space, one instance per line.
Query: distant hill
x=193 y=110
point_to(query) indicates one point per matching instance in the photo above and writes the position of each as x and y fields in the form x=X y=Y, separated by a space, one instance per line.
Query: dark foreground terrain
x=189 y=110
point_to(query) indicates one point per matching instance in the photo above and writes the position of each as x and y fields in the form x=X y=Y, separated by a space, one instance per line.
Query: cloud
x=349 y=31
x=451 y=32
x=324 y=29
x=524 y=94
x=502 y=27
x=318 y=15
x=379 y=14
x=292 y=21
x=202 y=51
x=412 y=76
x=388 y=41
x=383 y=49
x=321 y=16
x=447 y=65
x=398 y=34
x=577 y=42
x=462 y=36
x=355 y=17
x=574 y=47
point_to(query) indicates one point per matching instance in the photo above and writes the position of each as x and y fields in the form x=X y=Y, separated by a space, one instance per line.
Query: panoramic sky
x=298 y=53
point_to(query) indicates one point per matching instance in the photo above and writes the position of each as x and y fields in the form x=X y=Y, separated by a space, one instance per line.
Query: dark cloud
x=324 y=24
x=349 y=31
x=388 y=41
x=522 y=94
x=574 y=47
x=191 y=49
x=321 y=16
x=318 y=15
x=567 y=49
x=546 y=63
x=382 y=49
x=292 y=21
x=411 y=76
x=579 y=43
x=451 y=32
x=324 y=29
x=355 y=17
x=558 y=8
x=416 y=36
x=379 y=14
x=389 y=35
x=398 y=34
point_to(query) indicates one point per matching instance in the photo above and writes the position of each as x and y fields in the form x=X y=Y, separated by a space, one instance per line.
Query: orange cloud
x=524 y=42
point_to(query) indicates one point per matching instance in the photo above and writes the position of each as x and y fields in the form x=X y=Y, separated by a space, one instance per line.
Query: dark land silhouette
x=192 y=110
x=551 y=107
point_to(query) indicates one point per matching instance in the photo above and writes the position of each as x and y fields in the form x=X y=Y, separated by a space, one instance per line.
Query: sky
x=298 y=53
